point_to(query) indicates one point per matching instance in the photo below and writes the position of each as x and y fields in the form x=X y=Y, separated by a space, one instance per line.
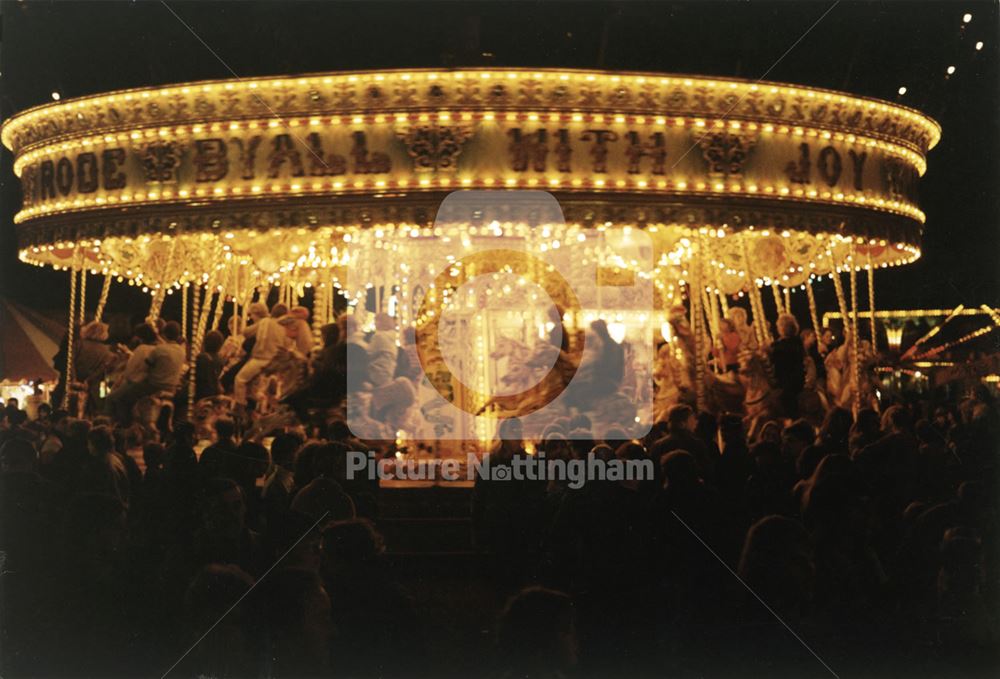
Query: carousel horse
x=392 y=404
x=761 y=399
x=724 y=393
x=155 y=412
x=813 y=403
x=842 y=384
x=281 y=416
x=206 y=411
x=286 y=373
x=540 y=374
x=672 y=380
x=379 y=413
x=543 y=369
x=674 y=367
x=674 y=376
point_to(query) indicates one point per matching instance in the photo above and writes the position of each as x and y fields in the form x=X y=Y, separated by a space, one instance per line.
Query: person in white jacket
x=269 y=336
x=382 y=352
x=303 y=333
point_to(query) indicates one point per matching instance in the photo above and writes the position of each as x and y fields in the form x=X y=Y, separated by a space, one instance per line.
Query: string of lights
x=961 y=340
x=950 y=69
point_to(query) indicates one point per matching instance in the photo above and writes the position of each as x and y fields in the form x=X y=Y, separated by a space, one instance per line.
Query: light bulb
x=951 y=69
x=966 y=18
x=666 y=331
x=56 y=96
x=617 y=331
x=979 y=45
x=902 y=90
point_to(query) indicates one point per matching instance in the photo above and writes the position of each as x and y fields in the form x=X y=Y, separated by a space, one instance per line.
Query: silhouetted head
x=680 y=469
x=257 y=311
x=324 y=499
x=836 y=426
x=18 y=455
x=171 y=331
x=895 y=419
x=100 y=441
x=350 y=546
x=225 y=429
x=145 y=333
x=95 y=330
x=536 y=633
x=787 y=326
x=294 y=537
x=600 y=328
x=808 y=460
x=213 y=342
x=223 y=508
x=681 y=418
x=796 y=436
x=283 y=448
x=777 y=564
x=330 y=334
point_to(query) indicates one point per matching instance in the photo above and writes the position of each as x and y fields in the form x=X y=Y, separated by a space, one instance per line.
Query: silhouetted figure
x=788 y=358
x=536 y=635
x=681 y=422
x=365 y=598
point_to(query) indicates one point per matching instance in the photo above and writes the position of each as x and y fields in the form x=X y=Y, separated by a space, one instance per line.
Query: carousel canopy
x=292 y=179
x=28 y=341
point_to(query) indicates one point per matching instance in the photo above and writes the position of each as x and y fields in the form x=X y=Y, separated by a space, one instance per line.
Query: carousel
x=383 y=186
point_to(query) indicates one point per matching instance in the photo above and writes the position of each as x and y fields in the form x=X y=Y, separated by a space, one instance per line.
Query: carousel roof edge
x=23 y=117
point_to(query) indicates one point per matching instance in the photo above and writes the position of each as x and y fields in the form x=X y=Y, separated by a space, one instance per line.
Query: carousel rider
x=152 y=370
x=602 y=368
x=93 y=359
x=269 y=336
x=120 y=400
x=788 y=358
x=303 y=333
x=738 y=317
x=727 y=351
x=381 y=400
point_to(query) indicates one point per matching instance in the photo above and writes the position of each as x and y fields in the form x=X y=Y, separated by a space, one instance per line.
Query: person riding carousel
x=727 y=349
x=269 y=337
x=788 y=358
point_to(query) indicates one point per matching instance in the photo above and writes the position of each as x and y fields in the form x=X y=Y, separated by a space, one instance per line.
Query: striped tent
x=28 y=341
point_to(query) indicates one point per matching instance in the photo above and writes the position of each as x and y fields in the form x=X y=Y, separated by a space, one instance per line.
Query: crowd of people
x=151 y=375
x=113 y=376
x=860 y=544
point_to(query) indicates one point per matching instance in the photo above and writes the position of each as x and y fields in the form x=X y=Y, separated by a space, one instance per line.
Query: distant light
x=951 y=70
x=902 y=90
x=979 y=45
x=56 y=96
x=617 y=332
x=966 y=18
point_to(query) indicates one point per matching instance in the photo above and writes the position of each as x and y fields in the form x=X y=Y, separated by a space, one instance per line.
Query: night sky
x=868 y=48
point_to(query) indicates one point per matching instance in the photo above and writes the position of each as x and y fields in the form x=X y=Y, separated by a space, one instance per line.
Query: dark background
x=869 y=48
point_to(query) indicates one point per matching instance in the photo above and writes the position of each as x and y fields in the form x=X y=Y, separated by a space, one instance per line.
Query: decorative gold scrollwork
x=726 y=151
x=434 y=148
